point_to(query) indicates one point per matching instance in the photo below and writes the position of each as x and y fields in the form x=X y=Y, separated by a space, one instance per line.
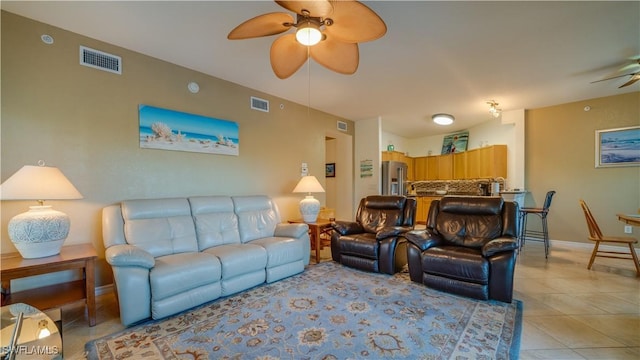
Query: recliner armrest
x=422 y=239
x=499 y=245
x=291 y=230
x=347 y=227
x=129 y=255
x=392 y=231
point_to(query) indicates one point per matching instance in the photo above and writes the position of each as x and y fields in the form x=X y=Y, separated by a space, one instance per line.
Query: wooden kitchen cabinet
x=445 y=167
x=422 y=208
x=420 y=168
x=487 y=162
x=460 y=166
x=493 y=161
x=432 y=167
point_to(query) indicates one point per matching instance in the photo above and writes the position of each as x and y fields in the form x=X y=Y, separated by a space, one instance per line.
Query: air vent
x=100 y=60
x=342 y=126
x=259 y=104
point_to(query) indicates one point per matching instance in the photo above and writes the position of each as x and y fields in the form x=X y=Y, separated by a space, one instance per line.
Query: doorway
x=339 y=188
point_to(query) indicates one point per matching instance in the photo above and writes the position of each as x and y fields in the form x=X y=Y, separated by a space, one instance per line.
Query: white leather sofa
x=169 y=255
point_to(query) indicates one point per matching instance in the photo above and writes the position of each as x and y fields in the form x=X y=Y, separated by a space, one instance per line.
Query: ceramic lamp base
x=39 y=232
x=309 y=208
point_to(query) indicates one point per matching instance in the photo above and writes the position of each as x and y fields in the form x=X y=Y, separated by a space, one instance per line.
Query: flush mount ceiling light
x=443 y=119
x=493 y=108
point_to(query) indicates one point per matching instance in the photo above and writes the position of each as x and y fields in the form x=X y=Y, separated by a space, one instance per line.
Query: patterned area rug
x=328 y=312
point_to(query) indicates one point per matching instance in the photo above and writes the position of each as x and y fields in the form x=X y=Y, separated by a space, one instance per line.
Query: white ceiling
x=436 y=56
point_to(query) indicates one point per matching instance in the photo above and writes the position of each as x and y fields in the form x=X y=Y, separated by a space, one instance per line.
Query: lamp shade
x=309 y=206
x=38 y=183
x=41 y=231
x=308 y=184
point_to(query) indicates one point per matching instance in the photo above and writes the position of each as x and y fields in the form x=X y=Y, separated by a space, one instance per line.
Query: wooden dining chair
x=596 y=235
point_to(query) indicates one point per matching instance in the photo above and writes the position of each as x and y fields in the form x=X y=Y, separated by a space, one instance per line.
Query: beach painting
x=174 y=130
x=455 y=143
x=618 y=147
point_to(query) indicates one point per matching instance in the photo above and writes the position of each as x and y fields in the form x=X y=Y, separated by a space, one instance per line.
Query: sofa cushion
x=239 y=259
x=257 y=216
x=469 y=264
x=159 y=226
x=175 y=274
x=281 y=250
x=216 y=223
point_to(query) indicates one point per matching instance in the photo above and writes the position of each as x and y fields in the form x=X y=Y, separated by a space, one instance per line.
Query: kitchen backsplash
x=460 y=187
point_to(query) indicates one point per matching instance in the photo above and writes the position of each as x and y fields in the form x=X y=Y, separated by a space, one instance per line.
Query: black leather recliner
x=468 y=248
x=372 y=242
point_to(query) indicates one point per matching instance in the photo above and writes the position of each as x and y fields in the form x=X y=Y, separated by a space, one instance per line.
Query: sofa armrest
x=129 y=255
x=391 y=231
x=347 y=227
x=422 y=239
x=498 y=245
x=291 y=230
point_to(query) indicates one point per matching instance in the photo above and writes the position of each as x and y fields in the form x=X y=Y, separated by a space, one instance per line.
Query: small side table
x=315 y=229
x=83 y=256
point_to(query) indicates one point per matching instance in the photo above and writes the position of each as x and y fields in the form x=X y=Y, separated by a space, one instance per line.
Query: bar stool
x=539 y=235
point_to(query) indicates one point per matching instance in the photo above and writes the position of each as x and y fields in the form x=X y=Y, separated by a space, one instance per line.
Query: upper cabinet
x=486 y=162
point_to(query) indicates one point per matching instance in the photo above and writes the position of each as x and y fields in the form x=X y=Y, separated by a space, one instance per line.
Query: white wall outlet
x=628 y=229
x=304 y=169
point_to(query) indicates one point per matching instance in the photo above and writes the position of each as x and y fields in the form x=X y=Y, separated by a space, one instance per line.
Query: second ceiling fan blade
x=336 y=55
x=317 y=8
x=262 y=25
x=287 y=55
x=631 y=81
x=354 y=22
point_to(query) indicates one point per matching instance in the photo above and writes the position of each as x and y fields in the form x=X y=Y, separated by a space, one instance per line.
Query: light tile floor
x=569 y=312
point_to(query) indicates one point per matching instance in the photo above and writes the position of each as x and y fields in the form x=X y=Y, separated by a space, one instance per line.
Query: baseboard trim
x=583 y=245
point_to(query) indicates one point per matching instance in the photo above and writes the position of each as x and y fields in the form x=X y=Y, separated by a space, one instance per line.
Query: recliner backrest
x=216 y=222
x=472 y=221
x=159 y=226
x=376 y=212
x=257 y=216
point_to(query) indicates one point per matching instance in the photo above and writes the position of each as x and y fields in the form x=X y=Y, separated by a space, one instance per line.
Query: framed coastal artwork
x=174 y=130
x=330 y=170
x=455 y=143
x=618 y=147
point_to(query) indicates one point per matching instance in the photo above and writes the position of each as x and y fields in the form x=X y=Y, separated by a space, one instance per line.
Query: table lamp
x=41 y=231
x=309 y=206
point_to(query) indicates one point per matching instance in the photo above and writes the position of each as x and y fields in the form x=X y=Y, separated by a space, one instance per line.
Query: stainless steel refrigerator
x=394 y=177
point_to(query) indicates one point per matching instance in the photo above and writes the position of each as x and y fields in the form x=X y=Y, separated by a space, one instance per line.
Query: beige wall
x=560 y=155
x=85 y=122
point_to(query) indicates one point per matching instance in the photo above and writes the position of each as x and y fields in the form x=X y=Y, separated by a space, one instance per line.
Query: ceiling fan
x=635 y=76
x=328 y=31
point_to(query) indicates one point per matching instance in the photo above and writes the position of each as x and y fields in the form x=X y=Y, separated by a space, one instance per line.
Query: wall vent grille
x=342 y=126
x=259 y=104
x=100 y=60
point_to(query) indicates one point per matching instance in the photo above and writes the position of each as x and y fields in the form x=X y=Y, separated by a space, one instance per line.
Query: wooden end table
x=315 y=229
x=83 y=256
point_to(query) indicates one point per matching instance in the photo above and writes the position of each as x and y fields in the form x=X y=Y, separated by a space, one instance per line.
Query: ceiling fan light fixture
x=308 y=33
x=493 y=109
x=443 y=119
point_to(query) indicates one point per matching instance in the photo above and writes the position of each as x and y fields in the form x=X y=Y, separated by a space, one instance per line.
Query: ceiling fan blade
x=613 y=77
x=262 y=25
x=354 y=22
x=336 y=55
x=318 y=8
x=633 y=79
x=287 y=55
